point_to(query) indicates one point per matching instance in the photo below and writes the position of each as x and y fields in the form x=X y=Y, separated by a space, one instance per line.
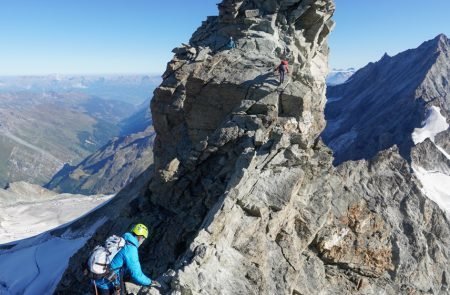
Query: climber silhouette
x=282 y=70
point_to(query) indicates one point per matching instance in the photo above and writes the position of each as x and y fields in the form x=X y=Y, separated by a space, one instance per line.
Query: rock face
x=234 y=148
x=244 y=197
x=109 y=169
x=390 y=98
x=443 y=140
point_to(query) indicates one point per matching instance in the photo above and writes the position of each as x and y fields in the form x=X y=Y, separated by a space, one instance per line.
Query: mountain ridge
x=244 y=198
x=110 y=168
x=404 y=85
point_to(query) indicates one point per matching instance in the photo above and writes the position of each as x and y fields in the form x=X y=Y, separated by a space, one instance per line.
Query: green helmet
x=140 y=230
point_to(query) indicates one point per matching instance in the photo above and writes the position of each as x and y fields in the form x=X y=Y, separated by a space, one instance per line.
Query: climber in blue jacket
x=126 y=264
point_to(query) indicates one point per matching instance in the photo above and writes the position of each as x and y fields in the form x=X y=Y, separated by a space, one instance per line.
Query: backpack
x=101 y=256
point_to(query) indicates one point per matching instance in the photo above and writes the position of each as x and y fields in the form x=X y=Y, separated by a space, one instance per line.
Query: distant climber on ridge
x=125 y=265
x=231 y=44
x=282 y=69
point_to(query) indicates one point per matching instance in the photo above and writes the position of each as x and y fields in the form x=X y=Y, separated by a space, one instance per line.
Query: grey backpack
x=101 y=256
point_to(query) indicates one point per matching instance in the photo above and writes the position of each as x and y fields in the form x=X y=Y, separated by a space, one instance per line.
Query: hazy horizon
x=80 y=74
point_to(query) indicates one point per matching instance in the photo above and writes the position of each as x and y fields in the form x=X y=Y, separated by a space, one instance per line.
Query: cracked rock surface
x=244 y=198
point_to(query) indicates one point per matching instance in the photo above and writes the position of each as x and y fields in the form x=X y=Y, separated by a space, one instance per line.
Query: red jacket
x=285 y=64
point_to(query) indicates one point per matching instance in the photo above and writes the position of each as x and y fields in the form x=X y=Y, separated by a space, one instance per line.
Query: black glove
x=155 y=284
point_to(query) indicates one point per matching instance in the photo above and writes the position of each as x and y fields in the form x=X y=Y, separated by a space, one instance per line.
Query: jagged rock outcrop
x=386 y=234
x=245 y=199
x=428 y=156
x=109 y=169
x=233 y=147
x=385 y=101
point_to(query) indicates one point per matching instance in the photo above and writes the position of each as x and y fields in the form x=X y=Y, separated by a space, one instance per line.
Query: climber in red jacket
x=282 y=69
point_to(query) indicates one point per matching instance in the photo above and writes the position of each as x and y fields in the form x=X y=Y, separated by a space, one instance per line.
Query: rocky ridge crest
x=245 y=200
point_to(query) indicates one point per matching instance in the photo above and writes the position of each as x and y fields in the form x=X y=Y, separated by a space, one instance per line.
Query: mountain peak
x=438 y=43
x=441 y=38
x=442 y=41
x=385 y=57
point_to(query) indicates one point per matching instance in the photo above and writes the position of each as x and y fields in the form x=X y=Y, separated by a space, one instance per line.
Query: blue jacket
x=127 y=260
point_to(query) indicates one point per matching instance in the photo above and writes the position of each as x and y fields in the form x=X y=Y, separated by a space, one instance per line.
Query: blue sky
x=136 y=36
x=366 y=29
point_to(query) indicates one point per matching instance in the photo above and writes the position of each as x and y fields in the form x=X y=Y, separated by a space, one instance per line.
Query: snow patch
x=26 y=219
x=436 y=186
x=433 y=124
x=42 y=261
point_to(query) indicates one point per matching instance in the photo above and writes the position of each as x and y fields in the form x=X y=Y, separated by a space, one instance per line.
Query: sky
x=366 y=29
x=137 y=36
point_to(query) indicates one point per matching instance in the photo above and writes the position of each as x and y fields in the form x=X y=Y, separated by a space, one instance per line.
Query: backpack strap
x=129 y=243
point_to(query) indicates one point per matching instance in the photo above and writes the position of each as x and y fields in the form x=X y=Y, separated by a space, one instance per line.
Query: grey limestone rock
x=244 y=198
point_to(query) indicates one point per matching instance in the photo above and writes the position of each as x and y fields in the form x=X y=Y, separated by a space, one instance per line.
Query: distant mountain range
x=339 y=76
x=132 y=89
x=385 y=101
x=110 y=168
x=45 y=122
x=402 y=100
x=138 y=121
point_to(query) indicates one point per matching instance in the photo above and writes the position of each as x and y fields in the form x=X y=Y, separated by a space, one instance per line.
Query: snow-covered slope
x=35 y=266
x=431 y=165
x=436 y=180
x=433 y=124
x=28 y=210
x=436 y=186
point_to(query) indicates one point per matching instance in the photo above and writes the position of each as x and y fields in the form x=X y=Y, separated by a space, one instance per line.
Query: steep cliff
x=244 y=198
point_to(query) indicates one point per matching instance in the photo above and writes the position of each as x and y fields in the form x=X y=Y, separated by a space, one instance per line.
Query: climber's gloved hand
x=155 y=284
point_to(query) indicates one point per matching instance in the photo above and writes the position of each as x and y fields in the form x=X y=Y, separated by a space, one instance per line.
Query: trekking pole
x=95 y=287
